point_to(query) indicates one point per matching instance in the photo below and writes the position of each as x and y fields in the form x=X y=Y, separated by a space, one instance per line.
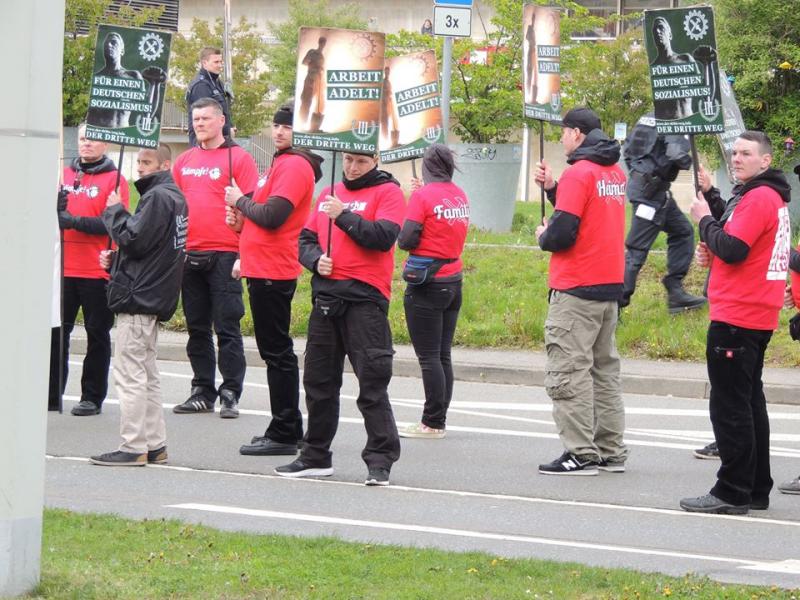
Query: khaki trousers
x=136 y=376
x=582 y=376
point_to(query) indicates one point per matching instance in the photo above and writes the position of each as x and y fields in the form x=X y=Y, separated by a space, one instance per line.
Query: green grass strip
x=86 y=556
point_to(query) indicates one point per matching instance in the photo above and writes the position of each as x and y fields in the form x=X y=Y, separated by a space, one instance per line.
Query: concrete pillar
x=31 y=38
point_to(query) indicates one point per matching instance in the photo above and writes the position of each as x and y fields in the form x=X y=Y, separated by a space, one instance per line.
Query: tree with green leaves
x=610 y=77
x=81 y=18
x=281 y=58
x=759 y=46
x=249 y=110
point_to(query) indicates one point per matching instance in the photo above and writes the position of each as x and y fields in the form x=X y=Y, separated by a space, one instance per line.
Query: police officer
x=654 y=162
x=206 y=84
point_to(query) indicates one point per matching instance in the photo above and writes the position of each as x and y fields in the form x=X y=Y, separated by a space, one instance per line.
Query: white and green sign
x=734 y=123
x=128 y=86
x=682 y=52
x=411 y=113
x=338 y=90
x=541 y=62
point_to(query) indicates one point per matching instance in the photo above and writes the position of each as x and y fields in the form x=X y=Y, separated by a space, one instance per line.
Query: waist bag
x=201 y=260
x=420 y=270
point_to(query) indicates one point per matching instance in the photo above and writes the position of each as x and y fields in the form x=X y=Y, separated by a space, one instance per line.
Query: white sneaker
x=419 y=430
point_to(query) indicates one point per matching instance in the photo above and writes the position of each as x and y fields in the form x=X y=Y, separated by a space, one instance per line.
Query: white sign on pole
x=620 y=131
x=452 y=21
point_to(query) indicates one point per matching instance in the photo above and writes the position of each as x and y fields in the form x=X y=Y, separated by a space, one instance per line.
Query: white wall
x=32 y=33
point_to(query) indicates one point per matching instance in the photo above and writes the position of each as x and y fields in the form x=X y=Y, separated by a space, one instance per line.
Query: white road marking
x=784 y=566
x=271 y=514
x=467 y=494
x=783 y=452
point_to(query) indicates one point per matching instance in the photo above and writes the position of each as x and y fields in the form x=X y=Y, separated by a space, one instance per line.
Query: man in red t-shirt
x=746 y=242
x=586 y=236
x=352 y=261
x=88 y=181
x=273 y=218
x=211 y=290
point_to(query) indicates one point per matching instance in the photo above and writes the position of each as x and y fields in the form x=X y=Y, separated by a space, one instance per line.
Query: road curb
x=632 y=383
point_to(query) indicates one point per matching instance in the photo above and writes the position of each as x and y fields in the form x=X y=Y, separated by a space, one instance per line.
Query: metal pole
x=695 y=164
x=447 y=67
x=330 y=221
x=541 y=158
x=226 y=46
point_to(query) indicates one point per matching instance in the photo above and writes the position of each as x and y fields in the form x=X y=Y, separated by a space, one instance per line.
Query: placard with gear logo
x=338 y=90
x=411 y=106
x=684 y=72
x=128 y=86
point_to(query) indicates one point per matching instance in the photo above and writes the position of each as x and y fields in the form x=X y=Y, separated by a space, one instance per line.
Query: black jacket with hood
x=147 y=269
x=727 y=247
x=562 y=228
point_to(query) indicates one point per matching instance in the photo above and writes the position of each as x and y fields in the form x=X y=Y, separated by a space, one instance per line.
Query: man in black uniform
x=654 y=162
x=206 y=84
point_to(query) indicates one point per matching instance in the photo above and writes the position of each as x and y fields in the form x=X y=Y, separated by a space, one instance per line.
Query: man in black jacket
x=145 y=281
x=206 y=84
x=654 y=162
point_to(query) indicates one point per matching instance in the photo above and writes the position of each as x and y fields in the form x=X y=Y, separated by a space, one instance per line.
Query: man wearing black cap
x=585 y=235
x=273 y=218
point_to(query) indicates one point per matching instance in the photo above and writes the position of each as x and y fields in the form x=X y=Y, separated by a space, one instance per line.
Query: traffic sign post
x=451 y=18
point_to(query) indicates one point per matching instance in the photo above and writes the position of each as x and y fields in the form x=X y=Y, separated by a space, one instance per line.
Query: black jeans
x=90 y=296
x=213 y=297
x=362 y=333
x=642 y=234
x=431 y=315
x=739 y=412
x=271 y=307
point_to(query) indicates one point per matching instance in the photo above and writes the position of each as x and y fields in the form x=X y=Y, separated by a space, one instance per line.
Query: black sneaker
x=119 y=459
x=197 y=402
x=377 y=476
x=300 y=469
x=569 y=464
x=710 y=452
x=228 y=405
x=260 y=438
x=85 y=408
x=611 y=466
x=712 y=505
x=157 y=457
x=267 y=447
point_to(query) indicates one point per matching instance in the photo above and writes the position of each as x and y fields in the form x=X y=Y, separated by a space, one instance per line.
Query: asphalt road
x=477 y=489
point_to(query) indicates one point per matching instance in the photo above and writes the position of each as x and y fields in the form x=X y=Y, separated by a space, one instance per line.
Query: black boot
x=678 y=300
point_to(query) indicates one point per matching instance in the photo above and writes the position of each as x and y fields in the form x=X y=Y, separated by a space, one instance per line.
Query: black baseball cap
x=581 y=118
x=797 y=169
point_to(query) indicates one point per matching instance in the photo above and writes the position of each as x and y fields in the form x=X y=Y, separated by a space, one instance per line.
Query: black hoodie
x=375 y=235
x=276 y=210
x=90 y=225
x=727 y=247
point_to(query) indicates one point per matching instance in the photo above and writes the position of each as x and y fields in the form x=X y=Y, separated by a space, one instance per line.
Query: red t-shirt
x=443 y=211
x=596 y=194
x=82 y=250
x=351 y=261
x=749 y=294
x=202 y=175
x=272 y=253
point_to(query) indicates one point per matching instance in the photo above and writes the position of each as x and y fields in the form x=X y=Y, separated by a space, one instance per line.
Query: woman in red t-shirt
x=434 y=232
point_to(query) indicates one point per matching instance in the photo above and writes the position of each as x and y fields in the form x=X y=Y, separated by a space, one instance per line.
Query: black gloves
x=65 y=218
